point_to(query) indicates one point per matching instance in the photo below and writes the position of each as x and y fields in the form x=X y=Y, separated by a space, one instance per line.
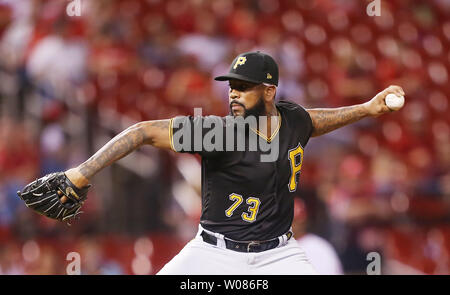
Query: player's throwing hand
x=377 y=105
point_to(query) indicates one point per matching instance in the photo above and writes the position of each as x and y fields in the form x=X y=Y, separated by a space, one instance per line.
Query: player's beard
x=259 y=109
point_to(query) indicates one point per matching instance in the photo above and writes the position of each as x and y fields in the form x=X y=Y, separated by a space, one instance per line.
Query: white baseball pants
x=201 y=258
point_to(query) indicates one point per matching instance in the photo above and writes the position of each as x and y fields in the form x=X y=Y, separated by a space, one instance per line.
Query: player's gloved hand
x=377 y=106
x=54 y=196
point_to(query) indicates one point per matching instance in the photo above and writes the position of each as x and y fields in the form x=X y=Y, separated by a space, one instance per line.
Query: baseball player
x=250 y=172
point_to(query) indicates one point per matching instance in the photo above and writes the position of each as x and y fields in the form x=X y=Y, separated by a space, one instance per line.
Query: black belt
x=252 y=246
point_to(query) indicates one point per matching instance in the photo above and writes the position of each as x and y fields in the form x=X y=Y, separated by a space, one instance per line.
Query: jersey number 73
x=252 y=210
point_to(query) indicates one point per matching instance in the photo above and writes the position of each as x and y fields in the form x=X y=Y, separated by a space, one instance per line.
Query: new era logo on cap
x=255 y=67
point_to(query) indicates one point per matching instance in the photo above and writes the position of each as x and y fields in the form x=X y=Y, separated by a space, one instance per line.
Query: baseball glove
x=46 y=197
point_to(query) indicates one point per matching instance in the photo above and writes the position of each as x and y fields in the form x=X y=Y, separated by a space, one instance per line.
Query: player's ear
x=269 y=92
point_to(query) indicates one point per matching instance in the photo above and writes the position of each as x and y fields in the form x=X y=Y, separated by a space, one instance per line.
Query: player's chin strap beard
x=259 y=109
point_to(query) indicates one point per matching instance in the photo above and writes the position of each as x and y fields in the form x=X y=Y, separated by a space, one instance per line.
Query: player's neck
x=269 y=126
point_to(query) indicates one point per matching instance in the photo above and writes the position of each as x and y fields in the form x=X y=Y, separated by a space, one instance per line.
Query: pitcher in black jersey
x=251 y=163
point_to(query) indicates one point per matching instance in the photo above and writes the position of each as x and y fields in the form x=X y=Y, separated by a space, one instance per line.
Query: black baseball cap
x=255 y=67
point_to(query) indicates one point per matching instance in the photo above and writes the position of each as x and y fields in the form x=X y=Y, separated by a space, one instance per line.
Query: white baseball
x=394 y=102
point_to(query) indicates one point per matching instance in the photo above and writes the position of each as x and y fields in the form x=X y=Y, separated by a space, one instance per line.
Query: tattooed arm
x=155 y=133
x=326 y=120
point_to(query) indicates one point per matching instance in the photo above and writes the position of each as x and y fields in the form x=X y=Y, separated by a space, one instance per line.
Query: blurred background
x=70 y=83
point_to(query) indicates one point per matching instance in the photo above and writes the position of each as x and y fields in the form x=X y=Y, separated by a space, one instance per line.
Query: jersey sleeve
x=301 y=119
x=306 y=121
x=203 y=135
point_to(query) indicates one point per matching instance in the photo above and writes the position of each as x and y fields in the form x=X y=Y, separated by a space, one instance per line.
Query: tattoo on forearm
x=118 y=147
x=326 y=120
x=161 y=124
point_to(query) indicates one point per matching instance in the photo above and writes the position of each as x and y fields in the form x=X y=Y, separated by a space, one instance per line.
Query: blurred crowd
x=380 y=185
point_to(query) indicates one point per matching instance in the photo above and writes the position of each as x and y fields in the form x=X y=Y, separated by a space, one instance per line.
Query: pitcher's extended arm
x=155 y=133
x=328 y=119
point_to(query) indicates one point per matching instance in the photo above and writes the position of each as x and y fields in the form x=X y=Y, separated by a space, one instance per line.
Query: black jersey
x=243 y=197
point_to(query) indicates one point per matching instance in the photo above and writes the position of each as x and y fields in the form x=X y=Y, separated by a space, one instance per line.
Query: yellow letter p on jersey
x=295 y=167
